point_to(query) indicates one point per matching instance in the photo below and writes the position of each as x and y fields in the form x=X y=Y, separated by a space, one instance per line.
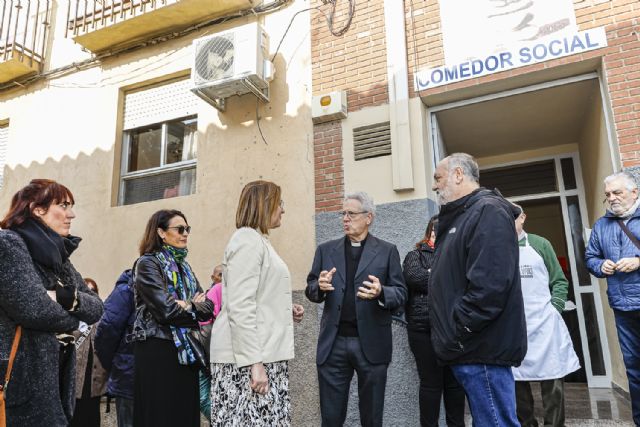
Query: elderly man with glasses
x=360 y=281
x=614 y=253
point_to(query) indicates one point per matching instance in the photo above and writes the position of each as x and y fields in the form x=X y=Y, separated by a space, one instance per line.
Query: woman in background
x=91 y=378
x=169 y=303
x=434 y=380
x=252 y=338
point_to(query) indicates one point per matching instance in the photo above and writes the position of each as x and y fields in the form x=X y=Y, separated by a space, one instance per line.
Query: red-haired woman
x=41 y=292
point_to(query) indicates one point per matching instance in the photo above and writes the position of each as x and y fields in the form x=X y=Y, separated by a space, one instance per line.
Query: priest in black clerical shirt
x=360 y=281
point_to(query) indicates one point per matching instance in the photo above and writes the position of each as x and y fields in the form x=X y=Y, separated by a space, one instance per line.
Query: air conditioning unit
x=233 y=62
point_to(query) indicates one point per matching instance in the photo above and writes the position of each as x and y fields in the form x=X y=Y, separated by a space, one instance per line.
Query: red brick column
x=329 y=166
x=622 y=67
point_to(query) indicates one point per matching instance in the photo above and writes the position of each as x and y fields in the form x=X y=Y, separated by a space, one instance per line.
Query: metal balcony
x=99 y=25
x=24 y=26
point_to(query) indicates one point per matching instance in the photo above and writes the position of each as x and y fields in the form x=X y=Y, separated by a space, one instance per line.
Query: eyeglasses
x=350 y=214
x=181 y=229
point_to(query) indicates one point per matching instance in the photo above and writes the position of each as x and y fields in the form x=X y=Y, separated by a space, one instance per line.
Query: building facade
x=545 y=94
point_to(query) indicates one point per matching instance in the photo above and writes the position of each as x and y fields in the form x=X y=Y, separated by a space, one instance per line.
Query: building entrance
x=550 y=192
x=530 y=143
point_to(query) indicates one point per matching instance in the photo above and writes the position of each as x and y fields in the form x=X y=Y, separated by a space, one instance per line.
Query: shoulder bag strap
x=629 y=233
x=12 y=356
x=7 y=375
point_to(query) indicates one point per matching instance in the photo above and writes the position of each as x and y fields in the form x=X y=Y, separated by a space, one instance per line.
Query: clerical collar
x=355 y=244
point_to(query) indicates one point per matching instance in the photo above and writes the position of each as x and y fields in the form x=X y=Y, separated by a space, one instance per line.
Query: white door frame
x=598 y=381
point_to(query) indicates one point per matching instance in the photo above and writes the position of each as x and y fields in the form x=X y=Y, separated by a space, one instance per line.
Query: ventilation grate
x=372 y=141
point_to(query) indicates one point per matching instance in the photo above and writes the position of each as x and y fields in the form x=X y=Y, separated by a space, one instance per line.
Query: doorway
x=550 y=192
x=532 y=143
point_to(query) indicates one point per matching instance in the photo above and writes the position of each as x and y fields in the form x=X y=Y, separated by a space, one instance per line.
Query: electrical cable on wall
x=330 y=25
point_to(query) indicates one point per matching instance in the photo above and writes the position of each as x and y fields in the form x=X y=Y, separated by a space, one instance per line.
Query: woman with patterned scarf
x=169 y=303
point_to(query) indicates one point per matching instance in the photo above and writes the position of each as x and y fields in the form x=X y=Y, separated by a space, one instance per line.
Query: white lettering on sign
x=528 y=54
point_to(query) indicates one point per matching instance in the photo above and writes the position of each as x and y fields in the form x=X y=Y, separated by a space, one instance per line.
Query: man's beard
x=442 y=197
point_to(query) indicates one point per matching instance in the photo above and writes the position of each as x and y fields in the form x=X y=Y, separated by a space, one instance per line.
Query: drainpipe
x=397 y=76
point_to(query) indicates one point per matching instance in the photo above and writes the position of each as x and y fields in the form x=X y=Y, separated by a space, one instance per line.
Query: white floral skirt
x=234 y=404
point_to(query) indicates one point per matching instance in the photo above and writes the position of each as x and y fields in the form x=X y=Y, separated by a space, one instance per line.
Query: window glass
x=145 y=148
x=532 y=178
x=181 y=141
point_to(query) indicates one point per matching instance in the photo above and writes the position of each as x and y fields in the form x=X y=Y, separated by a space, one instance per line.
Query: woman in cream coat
x=252 y=338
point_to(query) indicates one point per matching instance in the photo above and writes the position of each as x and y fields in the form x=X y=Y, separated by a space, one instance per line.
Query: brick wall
x=355 y=61
x=621 y=62
x=329 y=166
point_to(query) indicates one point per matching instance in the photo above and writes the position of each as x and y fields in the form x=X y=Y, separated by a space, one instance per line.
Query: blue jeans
x=491 y=393
x=124 y=412
x=628 y=326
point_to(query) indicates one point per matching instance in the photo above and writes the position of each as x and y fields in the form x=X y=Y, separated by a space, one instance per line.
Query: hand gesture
x=371 y=288
x=608 y=267
x=298 y=312
x=259 y=381
x=627 y=265
x=324 y=281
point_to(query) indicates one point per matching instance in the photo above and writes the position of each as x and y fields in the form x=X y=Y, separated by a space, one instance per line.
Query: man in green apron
x=550 y=354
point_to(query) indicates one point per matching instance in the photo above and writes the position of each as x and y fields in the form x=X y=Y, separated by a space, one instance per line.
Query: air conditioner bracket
x=263 y=94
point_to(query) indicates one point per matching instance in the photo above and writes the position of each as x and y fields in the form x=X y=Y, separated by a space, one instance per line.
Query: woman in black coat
x=434 y=380
x=42 y=292
x=169 y=303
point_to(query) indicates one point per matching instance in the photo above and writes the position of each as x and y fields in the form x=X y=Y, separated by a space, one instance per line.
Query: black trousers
x=435 y=381
x=334 y=378
x=166 y=393
x=552 y=403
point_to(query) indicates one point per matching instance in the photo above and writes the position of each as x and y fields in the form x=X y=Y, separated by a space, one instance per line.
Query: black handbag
x=196 y=341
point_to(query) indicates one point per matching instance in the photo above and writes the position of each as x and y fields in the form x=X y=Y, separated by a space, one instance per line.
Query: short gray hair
x=467 y=163
x=630 y=180
x=365 y=200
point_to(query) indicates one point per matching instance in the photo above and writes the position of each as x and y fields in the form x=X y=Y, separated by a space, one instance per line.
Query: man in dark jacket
x=114 y=350
x=359 y=279
x=475 y=301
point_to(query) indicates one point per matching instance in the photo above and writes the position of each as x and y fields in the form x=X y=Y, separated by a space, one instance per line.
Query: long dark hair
x=151 y=241
x=40 y=193
x=433 y=223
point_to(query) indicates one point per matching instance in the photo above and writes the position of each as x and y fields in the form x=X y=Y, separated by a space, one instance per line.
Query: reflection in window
x=575 y=223
x=593 y=333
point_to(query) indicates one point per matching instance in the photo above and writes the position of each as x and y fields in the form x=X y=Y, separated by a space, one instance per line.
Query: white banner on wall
x=520 y=56
x=474 y=29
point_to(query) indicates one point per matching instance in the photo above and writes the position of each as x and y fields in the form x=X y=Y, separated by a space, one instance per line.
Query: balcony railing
x=24 y=25
x=102 y=24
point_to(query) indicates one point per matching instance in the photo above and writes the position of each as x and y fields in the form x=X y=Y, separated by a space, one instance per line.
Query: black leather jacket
x=156 y=310
x=417 y=269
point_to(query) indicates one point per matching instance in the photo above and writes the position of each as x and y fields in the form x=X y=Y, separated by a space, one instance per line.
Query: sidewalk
x=584 y=407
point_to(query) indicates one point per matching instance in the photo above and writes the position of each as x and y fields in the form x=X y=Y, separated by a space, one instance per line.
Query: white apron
x=550 y=353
